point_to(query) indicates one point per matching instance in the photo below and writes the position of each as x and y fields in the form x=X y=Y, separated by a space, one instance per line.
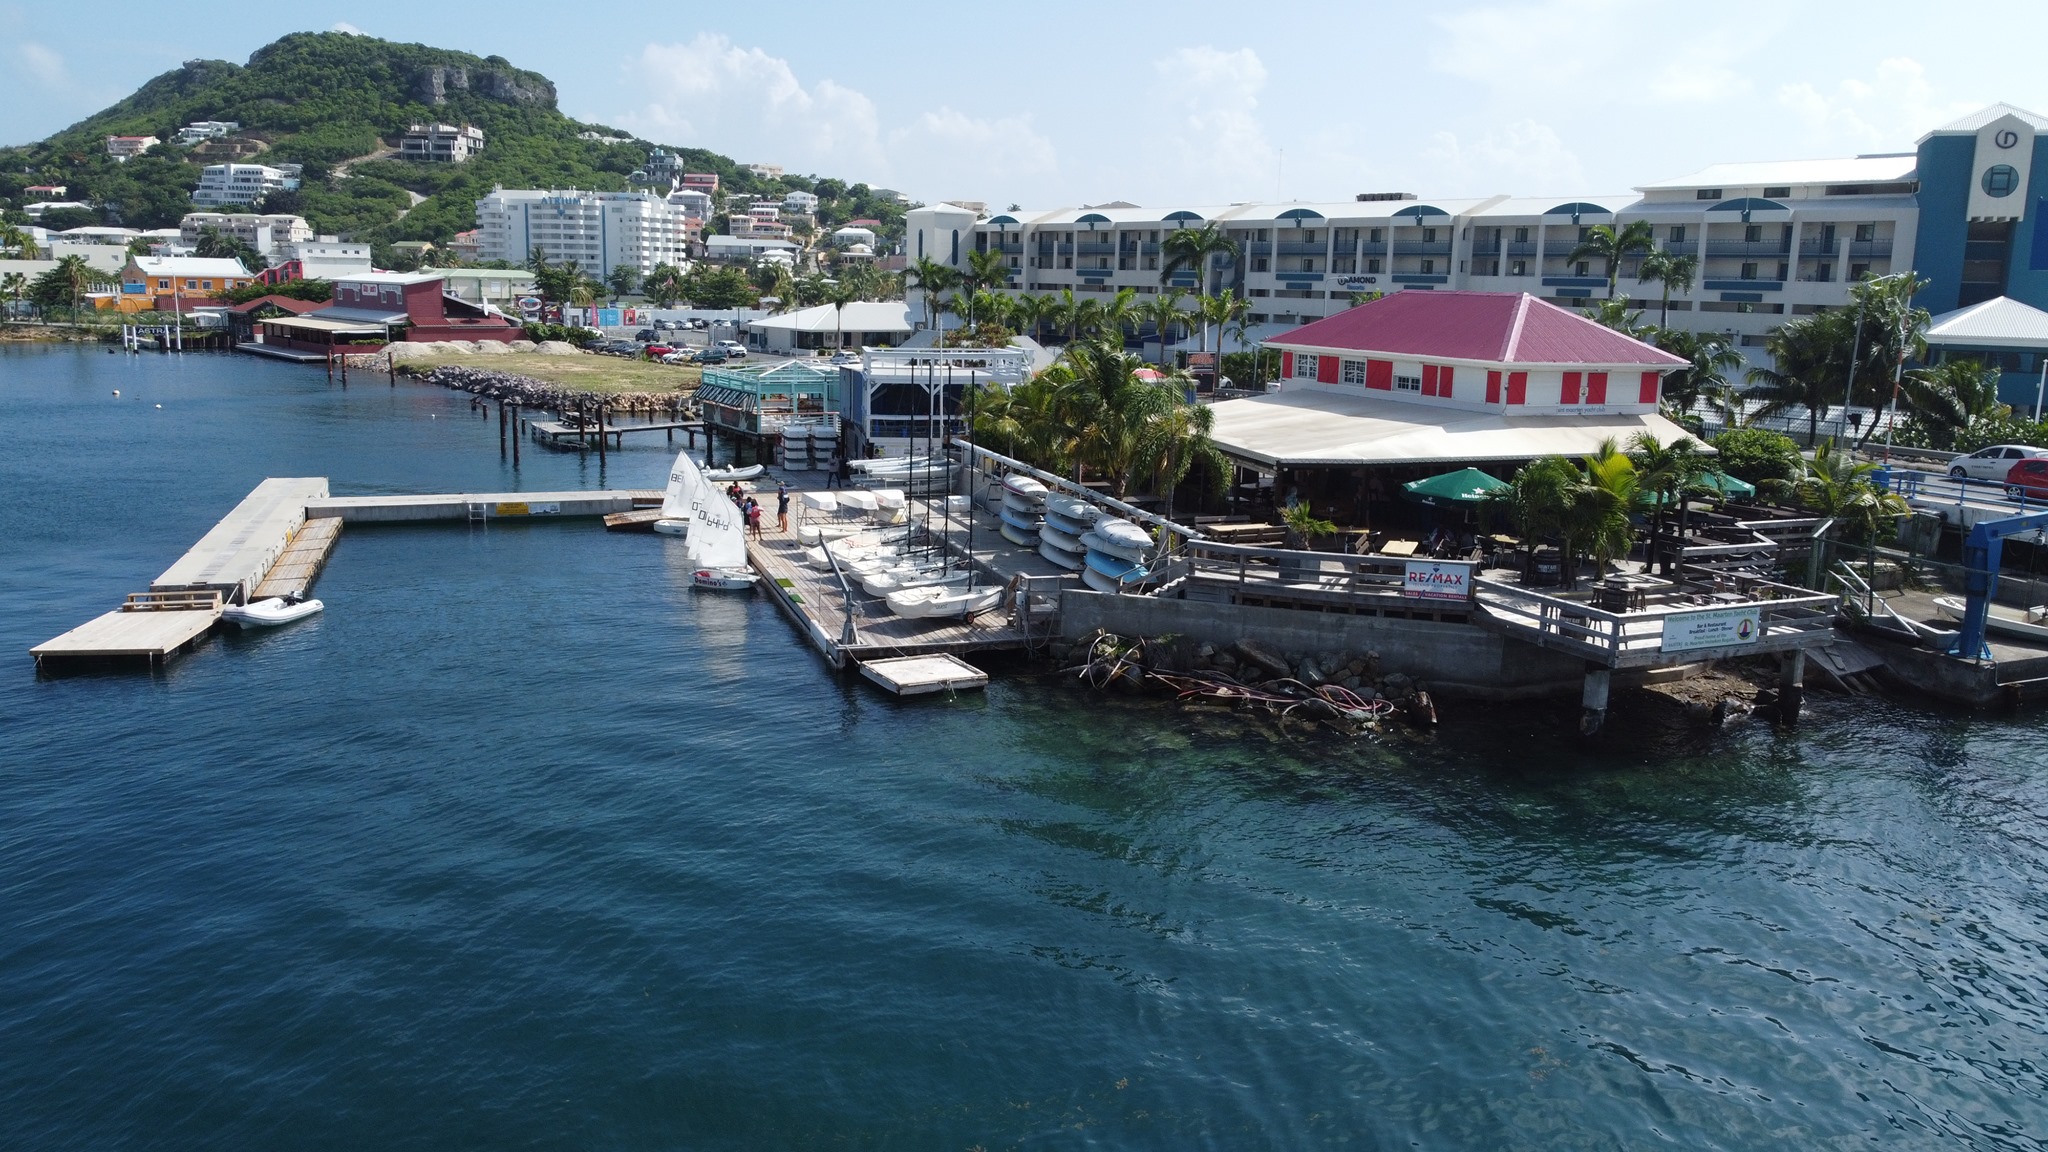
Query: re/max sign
x=1437 y=580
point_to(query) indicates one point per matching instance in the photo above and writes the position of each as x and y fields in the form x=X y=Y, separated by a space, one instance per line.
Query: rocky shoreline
x=527 y=391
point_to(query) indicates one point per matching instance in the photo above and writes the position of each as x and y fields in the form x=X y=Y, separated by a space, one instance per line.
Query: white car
x=731 y=347
x=1992 y=464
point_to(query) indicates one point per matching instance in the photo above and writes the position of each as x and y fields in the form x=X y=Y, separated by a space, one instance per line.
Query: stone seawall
x=1459 y=660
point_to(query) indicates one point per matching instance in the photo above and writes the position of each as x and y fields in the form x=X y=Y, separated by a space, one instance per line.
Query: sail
x=718 y=538
x=675 y=500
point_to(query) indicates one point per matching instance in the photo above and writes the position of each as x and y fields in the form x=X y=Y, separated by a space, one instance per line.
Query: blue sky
x=1059 y=103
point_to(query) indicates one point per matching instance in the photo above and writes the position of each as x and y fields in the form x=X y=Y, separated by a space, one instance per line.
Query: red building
x=375 y=308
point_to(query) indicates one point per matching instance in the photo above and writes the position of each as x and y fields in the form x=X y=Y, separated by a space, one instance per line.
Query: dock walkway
x=151 y=626
x=302 y=559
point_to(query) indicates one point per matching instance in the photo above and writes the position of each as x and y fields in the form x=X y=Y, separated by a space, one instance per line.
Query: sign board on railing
x=1713 y=628
x=1438 y=580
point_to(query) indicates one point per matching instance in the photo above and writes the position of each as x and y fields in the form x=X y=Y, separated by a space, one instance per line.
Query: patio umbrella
x=1465 y=486
x=1728 y=485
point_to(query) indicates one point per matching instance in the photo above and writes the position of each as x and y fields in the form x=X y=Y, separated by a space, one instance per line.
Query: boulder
x=1397 y=684
x=520 y=345
x=492 y=348
x=558 y=348
x=1265 y=659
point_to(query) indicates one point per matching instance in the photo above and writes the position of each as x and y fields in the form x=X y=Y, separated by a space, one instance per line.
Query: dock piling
x=1791 y=685
x=517 y=433
x=501 y=429
x=1593 y=700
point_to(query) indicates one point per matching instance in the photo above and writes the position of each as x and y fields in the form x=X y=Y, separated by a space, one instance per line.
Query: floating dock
x=151 y=626
x=300 y=563
x=236 y=554
x=478 y=506
x=921 y=675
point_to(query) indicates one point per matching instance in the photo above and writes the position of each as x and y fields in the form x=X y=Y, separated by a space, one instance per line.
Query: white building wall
x=599 y=230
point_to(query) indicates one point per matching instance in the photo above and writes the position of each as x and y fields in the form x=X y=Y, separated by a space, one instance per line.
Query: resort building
x=748 y=248
x=320 y=258
x=799 y=203
x=695 y=203
x=1772 y=240
x=440 y=143
x=1394 y=389
x=123 y=147
x=273 y=235
x=766 y=171
x=243 y=183
x=599 y=230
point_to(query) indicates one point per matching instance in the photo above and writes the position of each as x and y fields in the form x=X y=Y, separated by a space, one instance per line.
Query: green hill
x=327 y=100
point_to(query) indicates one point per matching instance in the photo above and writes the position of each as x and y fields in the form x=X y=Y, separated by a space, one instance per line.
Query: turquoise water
x=523 y=844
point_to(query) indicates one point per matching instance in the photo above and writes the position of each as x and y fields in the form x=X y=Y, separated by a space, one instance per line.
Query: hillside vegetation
x=323 y=98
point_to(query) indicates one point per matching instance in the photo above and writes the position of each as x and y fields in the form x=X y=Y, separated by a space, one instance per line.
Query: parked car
x=1994 y=462
x=680 y=356
x=2028 y=479
x=732 y=348
x=656 y=351
x=712 y=356
x=645 y=336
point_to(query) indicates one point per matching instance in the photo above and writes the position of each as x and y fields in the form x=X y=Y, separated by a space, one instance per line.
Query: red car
x=656 y=351
x=2028 y=479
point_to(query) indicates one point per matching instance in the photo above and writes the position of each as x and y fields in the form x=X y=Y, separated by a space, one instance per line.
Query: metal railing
x=1788 y=617
x=1263 y=572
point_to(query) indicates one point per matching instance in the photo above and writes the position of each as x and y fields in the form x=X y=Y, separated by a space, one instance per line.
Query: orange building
x=170 y=283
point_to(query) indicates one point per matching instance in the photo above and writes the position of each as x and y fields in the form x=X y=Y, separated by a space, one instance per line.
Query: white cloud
x=1548 y=43
x=1523 y=156
x=1202 y=132
x=43 y=63
x=713 y=93
x=345 y=26
x=1896 y=105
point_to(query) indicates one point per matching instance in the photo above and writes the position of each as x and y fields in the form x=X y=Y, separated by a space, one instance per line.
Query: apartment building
x=599 y=230
x=272 y=234
x=440 y=143
x=243 y=183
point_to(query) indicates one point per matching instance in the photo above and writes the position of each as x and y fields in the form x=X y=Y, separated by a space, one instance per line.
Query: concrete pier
x=478 y=506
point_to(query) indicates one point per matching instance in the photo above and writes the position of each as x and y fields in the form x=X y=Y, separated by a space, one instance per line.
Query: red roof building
x=1490 y=349
x=1431 y=379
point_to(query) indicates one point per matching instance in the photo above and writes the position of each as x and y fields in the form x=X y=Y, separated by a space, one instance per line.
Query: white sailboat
x=675 y=500
x=717 y=538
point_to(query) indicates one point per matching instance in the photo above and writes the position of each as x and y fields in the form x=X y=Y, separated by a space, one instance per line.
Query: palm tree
x=1669 y=472
x=1948 y=397
x=75 y=275
x=16 y=240
x=1163 y=312
x=1615 y=313
x=1610 y=247
x=1176 y=440
x=14 y=286
x=985 y=270
x=1712 y=357
x=839 y=296
x=1118 y=313
x=664 y=285
x=1810 y=372
x=1062 y=311
x=1674 y=271
x=1600 y=508
x=1838 y=487
x=1119 y=425
x=931 y=278
x=1193 y=248
x=1030 y=312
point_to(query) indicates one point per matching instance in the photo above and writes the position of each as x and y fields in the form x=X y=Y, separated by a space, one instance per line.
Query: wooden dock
x=150 y=626
x=237 y=553
x=300 y=564
x=478 y=506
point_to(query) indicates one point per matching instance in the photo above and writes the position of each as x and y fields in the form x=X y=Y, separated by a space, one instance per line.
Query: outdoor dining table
x=1399 y=548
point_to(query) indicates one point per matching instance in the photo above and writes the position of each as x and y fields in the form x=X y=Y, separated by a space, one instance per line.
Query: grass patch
x=588 y=373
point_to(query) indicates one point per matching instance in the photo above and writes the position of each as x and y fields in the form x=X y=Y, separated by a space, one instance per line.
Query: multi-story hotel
x=1773 y=240
x=221 y=184
x=599 y=230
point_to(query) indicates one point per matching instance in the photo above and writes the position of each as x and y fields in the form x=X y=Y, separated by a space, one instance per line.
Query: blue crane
x=1980 y=576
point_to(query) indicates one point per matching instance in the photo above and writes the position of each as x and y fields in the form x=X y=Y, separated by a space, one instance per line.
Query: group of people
x=750 y=508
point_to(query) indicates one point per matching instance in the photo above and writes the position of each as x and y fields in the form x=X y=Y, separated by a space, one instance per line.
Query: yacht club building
x=1773 y=240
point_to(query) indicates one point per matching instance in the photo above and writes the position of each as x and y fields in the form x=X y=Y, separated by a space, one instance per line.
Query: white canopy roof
x=1885 y=169
x=860 y=316
x=1309 y=427
x=2000 y=322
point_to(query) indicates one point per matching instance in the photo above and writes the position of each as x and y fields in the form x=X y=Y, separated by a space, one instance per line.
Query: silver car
x=1994 y=462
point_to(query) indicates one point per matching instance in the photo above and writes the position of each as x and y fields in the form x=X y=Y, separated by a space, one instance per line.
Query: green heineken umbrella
x=1465 y=486
x=1728 y=485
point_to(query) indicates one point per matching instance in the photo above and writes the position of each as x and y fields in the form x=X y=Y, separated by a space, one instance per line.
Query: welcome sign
x=1438 y=580
x=1714 y=628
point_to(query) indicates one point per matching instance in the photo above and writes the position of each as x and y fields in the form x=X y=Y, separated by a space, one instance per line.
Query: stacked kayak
x=1067 y=519
x=1023 y=510
x=1115 y=554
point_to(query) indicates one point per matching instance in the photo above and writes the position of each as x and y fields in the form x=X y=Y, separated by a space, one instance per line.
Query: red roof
x=290 y=304
x=1496 y=327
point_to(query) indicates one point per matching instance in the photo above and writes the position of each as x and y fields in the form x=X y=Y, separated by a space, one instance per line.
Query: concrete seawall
x=1454 y=659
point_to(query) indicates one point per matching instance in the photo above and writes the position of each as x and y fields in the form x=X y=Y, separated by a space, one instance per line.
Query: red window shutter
x=1570 y=393
x=1493 y=387
x=1596 y=387
x=1326 y=369
x=1649 y=394
x=1518 y=387
x=1443 y=380
x=1287 y=365
x=1379 y=374
x=1429 y=379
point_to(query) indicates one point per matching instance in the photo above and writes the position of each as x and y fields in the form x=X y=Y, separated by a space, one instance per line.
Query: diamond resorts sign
x=1715 y=628
x=1438 y=580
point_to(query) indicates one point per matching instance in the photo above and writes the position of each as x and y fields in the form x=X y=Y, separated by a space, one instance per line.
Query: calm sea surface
x=524 y=845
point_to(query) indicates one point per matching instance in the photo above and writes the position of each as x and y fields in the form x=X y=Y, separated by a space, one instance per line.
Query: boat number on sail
x=1438 y=580
x=522 y=508
x=1714 y=628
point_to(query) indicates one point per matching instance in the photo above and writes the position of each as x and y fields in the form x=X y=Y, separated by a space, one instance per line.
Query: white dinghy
x=271 y=612
x=941 y=600
x=728 y=475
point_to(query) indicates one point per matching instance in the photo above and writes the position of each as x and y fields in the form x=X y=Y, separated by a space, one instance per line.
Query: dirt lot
x=588 y=373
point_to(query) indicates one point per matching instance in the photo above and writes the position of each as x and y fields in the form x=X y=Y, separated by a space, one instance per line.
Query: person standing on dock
x=782 y=507
x=753 y=518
